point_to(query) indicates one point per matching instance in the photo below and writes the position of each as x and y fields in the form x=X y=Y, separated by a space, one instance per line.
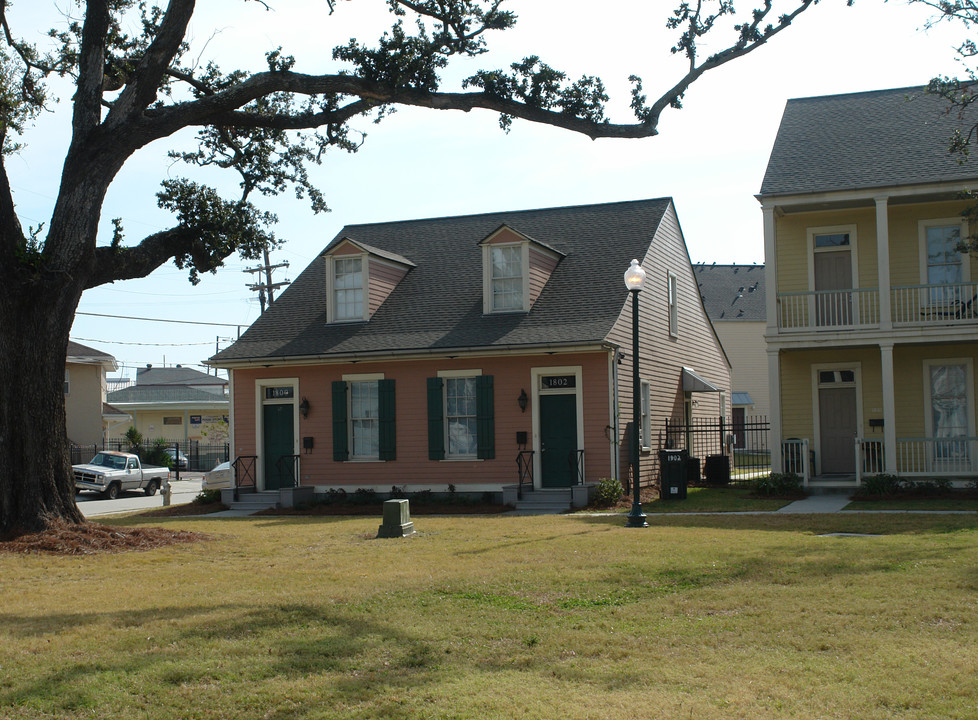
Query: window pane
x=507 y=278
x=364 y=418
x=460 y=416
x=943 y=258
x=832 y=240
x=348 y=289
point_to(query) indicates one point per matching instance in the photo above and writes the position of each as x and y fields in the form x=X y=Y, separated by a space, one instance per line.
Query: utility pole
x=267 y=287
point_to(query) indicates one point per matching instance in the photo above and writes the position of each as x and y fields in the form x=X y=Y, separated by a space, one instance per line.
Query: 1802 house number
x=558 y=382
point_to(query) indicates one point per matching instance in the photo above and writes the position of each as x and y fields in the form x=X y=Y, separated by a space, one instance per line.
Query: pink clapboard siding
x=511 y=375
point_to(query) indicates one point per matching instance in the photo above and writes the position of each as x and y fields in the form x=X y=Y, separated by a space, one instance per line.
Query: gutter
x=415 y=354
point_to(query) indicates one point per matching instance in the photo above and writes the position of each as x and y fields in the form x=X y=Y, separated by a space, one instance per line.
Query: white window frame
x=351 y=444
x=923 y=226
x=969 y=382
x=67 y=382
x=488 y=306
x=456 y=374
x=260 y=385
x=331 y=315
x=851 y=248
x=672 y=302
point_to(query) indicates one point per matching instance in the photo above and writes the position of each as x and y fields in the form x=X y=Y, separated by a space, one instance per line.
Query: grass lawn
x=702 y=617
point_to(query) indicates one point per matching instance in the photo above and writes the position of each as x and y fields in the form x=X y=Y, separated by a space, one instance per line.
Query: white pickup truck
x=110 y=473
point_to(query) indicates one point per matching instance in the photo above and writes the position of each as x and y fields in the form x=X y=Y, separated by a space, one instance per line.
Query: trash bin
x=718 y=470
x=692 y=471
x=673 y=469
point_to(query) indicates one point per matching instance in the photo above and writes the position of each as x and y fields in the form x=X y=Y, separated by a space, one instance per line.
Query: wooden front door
x=837 y=426
x=558 y=440
x=278 y=441
x=833 y=286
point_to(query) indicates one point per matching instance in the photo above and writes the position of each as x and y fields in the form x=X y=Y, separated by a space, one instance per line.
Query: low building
x=88 y=416
x=476 y=352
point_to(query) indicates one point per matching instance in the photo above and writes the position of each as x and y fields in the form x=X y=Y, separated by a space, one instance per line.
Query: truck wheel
x=153 y=486
x=112 y=491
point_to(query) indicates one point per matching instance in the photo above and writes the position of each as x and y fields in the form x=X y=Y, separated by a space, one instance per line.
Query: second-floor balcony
x=860 y=309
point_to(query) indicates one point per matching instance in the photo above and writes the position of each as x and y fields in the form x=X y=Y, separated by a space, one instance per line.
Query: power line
x=122 y=342
x=163 y=320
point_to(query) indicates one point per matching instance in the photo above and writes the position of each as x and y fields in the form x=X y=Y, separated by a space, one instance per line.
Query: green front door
x=558 y=440
x=279 y=441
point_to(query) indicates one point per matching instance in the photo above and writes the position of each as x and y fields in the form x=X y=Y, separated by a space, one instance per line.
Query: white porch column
x=770 y=270
x=883 y=269
x=774 y=388
x=889 y=409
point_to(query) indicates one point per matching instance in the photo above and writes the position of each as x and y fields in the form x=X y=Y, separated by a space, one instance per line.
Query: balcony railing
x=911 y=306
x=935 y=304
x=828 y=310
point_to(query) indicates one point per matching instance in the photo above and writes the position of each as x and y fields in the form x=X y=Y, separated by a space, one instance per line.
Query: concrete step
x=255 y=501
x=544 y=502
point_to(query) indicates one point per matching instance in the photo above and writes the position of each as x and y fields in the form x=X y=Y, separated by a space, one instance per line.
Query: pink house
x=485 y=352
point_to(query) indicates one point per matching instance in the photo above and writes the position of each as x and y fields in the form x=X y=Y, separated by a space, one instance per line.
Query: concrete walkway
x=817 y=504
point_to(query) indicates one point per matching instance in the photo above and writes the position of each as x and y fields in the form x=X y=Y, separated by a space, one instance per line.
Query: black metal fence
x=745 y=441
x=200 y=457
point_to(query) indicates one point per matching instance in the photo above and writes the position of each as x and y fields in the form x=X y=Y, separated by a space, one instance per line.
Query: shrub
x=608 y=492
x=777 y=485
x=365 y=496
x=397 y=493
x=157 y=454
x=882 y=484
x=928 y=487
x=422 y=496
x=206 y=497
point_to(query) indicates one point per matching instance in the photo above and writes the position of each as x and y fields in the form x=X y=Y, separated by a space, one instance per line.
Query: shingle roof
x=732 y=292
x=438 y=304
x=79 y=351
x=873 y=139
x=176 y=376
x=162 y=394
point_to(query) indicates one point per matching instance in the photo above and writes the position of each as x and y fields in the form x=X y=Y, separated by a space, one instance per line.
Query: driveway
x=183 y=492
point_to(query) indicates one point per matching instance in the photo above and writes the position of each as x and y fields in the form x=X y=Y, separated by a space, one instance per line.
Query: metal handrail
x=292 y=469
x=524 y=461
x=248 y=472
x=576 y=461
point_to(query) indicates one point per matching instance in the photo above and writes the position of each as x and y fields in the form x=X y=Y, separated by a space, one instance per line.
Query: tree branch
x=128 y=263
x=91 y=64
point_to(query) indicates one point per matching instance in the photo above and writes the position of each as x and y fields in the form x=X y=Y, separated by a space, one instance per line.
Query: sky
x=709 y=156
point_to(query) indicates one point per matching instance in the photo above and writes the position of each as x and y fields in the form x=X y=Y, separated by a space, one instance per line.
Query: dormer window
x=358 y=280
x=507 y=278
x=348 y=289
x=515 y=269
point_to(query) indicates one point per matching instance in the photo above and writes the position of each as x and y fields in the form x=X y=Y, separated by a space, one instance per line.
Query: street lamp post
x=634 y=279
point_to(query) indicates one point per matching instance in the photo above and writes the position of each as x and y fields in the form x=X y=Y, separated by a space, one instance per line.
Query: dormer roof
x=338 y=242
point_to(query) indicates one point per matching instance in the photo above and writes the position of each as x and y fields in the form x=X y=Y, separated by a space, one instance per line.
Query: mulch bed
x=441 y=508
x=63 y=538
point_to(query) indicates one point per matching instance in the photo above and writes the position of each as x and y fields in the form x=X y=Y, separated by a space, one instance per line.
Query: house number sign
x=278 y=393
x=558 y=382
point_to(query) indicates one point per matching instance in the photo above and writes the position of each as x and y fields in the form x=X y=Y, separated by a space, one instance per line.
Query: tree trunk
x=36 y=484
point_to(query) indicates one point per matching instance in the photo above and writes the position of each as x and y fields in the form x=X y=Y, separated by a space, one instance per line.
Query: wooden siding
x=744 y=344
x=412 y=466
x=83 y=403
x=904 y=221
x=346 y=248
x=541 y=265
x=792 y=246
x=503 y=236
x=662 y=355
x=384 y=277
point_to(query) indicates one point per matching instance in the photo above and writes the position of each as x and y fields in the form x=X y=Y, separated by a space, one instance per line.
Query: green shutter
x=388 y=431
x=341 y=441
x=436 y=420
x=485 y=419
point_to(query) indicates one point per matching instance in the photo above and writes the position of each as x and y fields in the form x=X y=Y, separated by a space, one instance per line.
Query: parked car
x=111 y=473
x=180 y=461
x=219 y=477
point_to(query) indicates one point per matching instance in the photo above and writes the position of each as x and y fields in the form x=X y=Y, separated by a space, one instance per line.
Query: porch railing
x=795 y=454
x=288 y=470
x=827 y=310
x=524 y=464
x=245 y=472
x=943 y=304
x=937 y=456
x=576 y=461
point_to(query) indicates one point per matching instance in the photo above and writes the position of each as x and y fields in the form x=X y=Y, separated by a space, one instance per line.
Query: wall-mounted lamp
x=522 y=400
x=304 y=408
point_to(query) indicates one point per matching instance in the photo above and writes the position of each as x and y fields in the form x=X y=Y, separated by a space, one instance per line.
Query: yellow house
x=87 y=415
x=872 y=309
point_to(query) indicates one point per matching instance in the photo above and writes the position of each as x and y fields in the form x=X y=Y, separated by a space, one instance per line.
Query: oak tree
x=267 y=126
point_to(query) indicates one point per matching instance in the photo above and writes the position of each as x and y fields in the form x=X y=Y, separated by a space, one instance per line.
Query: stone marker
x=397 y=520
